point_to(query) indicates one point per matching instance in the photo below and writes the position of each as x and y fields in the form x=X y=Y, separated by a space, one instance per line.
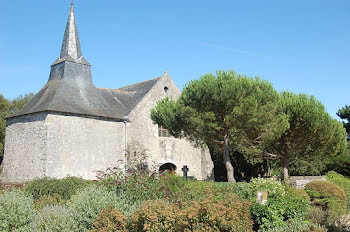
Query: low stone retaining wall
x=300 y=182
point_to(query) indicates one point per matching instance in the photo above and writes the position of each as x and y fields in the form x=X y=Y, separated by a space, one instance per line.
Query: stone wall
x=79 y=146
x=143 y=136
x=25 y=148
x=57 y=145
x=300 y=182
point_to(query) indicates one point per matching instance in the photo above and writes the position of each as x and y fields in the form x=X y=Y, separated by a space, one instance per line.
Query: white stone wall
x=57 y=146
x=25 y=148
x=79 y=146
x=143 y=136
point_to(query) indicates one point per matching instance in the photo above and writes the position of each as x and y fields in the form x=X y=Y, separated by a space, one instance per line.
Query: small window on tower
x=166 y=89
x=163 y=132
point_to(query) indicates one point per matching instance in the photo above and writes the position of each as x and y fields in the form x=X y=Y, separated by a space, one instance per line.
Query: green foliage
x=311 y=132
x=226 y=109
x=8 y=108
x=62 y=189
x=308 y=165
x=142 y=181
x=47 y=200
x=84 y=207
x=241 y=189
x=4 y=108
x=328 y=195
x=344 y=113
x=340 y=164
x=53 y=218
x=297 y=225
x=16 y=211
x=283 y=204
x=343 y=182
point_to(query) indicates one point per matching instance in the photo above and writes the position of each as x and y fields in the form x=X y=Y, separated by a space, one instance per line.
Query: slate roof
x=70 y=89
x=58 y=96
x=125 y=99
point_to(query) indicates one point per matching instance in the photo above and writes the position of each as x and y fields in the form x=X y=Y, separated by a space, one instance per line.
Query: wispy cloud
x=228 y=49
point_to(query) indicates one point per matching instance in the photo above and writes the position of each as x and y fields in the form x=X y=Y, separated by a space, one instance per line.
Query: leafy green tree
x=4 y=108
x=8 y=108
x=344 y=113
x=227 y=110
x=311 y=132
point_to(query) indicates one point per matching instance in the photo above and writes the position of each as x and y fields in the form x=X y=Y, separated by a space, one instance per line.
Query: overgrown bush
x=140 y=181
x=298 y=192
x=212 y=214
x=47 y=200
x=84 y=207
x=282 y=205
x=52 y=218
x=329 y=220
x=342 y=181
x=328 y=195
x=297 y=226
x=155 y=215
x=110 y=220
x=241 y=189
x=64 y=188
x=16 y=211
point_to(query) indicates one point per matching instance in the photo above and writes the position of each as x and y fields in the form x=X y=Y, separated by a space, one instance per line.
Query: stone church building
x=72 y=128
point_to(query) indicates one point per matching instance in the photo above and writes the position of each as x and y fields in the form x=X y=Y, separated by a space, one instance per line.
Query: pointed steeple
x=71 y=50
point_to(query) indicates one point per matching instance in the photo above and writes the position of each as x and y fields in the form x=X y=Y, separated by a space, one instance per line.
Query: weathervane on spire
x=72 y=3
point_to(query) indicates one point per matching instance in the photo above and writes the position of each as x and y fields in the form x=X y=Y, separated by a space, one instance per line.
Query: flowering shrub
x=273 y=187
x=282 y=204
x=212 y=214
x=16 y=211
x=110 y=220
x=138 y=182
x=155 y=215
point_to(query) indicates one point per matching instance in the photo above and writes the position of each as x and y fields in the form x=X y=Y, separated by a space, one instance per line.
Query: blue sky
x=300 y=46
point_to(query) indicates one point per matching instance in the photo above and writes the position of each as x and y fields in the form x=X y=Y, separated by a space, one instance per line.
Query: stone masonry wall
x=57 y=145
x=25 y=148
x=80 y=146
x=143 y=136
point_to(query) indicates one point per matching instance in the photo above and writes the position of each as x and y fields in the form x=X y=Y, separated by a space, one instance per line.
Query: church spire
x=71 y=44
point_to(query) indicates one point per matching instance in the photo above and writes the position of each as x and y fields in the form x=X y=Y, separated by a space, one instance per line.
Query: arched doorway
x=167 y=167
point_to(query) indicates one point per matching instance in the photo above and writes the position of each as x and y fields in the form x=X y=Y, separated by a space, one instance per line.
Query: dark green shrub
x=328 y=195
x=342 y=181
x=298 y=192
x=64 y=188
x=241 y=189
x=340 y=164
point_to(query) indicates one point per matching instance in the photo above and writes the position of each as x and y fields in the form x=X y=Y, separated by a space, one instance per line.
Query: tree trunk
x=285 y=162
x=227 y=161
